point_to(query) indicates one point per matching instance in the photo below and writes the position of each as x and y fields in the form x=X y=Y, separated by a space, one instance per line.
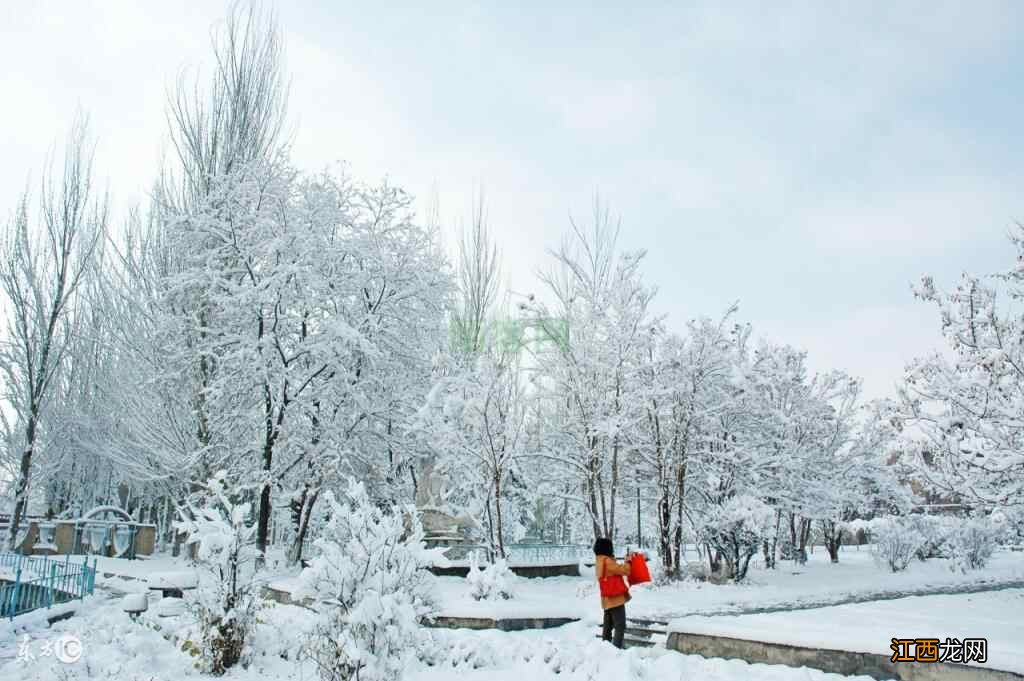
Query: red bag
x=638 y=572
x=613 y=586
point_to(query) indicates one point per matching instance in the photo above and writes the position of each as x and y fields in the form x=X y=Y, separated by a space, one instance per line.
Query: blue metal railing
x=41 y=582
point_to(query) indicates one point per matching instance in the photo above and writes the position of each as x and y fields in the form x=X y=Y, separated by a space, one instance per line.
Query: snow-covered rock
x=170 y=607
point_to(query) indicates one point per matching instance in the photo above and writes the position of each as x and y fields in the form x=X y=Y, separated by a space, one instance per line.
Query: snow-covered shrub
x=494 y=582
x=372 y=583
x=896 y=542
x=226 y=603
x=971 y=543
x=736 y=529
x=933 y=532
x=1011 y=524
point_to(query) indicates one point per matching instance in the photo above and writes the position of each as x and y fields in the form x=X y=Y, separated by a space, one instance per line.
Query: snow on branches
x=371 y=582
x=964 y=409
x=222 y=533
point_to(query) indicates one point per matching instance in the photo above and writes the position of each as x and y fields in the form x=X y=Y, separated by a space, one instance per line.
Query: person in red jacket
x=614 y=607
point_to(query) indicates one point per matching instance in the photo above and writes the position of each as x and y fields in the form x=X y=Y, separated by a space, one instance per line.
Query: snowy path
x=869 y=597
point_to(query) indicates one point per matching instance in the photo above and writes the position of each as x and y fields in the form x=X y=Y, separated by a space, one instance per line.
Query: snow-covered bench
x=172 y=584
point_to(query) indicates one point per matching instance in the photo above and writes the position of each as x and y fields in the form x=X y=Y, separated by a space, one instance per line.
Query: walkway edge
x=844 y=662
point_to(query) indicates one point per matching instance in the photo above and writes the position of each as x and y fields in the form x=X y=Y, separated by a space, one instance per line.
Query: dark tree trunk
x=680 y=501
x=665 y=548
x=833 y=535
x=799 y=531
x=24 y=472
x=306 y=513
x=497 y=510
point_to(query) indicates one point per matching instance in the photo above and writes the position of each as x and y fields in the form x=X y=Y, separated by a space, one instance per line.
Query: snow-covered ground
x=138 y=568
x=817 y=583
x=869 y=627
x=114 y=647
x=571 y=653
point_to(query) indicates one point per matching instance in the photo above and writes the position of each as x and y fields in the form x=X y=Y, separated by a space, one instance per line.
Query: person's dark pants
x=614 y=618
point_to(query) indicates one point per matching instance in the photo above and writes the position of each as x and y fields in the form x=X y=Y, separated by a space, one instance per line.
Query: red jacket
x=606 y=567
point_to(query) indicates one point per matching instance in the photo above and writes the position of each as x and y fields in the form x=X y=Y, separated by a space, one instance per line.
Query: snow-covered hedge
x=493 y=582
x=373 y=586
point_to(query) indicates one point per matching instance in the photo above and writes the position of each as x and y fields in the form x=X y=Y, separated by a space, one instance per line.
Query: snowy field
x=114 y=647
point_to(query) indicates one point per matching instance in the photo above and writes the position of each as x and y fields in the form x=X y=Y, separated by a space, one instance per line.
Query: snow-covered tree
x=963 y=408
x=44 y=261
x=793 y=430
x=685 y=393
x=592 y=375
x=736 y=529
x=474 y=420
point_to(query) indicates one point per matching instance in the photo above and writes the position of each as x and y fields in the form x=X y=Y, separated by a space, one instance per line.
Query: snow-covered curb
x=869 y=627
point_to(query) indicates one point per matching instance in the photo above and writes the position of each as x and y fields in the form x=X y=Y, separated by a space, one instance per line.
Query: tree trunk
x=771 y=548
x=680 y=501
x=24 y=473
x=263 y=523
x=665 y=535
x=497 y=508
x=833 y=535
x=798 y=538
x=306 y=513
x=592 y=496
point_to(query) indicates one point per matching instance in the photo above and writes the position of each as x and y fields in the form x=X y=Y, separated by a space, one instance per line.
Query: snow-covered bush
x=226 y=603
x=896 y=542
x=494 y=582
x=933 y=532
x=736 y=529
x=371 y=580
x=971 y=543
x=1010 y=522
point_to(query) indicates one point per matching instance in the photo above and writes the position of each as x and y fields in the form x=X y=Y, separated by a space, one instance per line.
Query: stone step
x=630 y=642
x=647 y=622
x=646 y=633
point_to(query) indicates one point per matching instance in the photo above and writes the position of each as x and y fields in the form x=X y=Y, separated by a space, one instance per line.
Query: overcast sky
x=810 y=163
